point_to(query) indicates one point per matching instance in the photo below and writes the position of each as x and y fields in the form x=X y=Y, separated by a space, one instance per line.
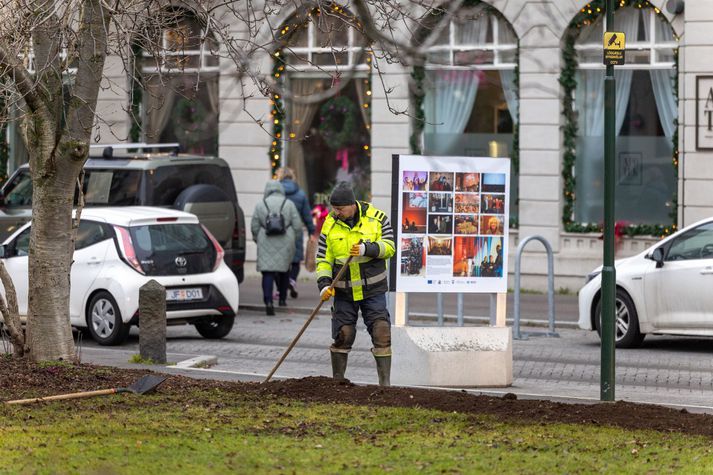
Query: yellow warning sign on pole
x=614 y=48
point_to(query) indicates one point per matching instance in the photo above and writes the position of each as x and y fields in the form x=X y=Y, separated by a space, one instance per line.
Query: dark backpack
x=275 y=222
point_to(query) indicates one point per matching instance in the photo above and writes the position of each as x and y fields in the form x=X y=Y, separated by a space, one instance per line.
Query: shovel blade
x=146 y=383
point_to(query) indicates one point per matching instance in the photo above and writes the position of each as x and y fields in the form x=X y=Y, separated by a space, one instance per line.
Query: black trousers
x=269 y=279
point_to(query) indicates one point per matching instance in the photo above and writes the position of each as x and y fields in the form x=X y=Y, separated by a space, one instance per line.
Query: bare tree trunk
x=49 y=334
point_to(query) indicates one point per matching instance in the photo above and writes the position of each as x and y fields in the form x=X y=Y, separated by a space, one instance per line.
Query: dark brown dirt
x=22 y=379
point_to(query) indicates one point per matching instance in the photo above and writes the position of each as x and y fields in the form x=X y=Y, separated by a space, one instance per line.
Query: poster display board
x=451 y=219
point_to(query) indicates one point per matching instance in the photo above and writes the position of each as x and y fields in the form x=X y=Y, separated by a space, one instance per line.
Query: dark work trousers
x=346 y=312
x=269 y=279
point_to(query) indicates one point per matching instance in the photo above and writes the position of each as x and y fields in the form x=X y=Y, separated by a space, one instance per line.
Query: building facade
x=515 y=78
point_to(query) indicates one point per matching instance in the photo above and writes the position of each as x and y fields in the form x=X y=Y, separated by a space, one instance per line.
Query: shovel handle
x=309 y=320
x=59 y=397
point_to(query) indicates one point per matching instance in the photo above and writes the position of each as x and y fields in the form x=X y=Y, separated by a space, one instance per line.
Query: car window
x=169 y=237
x=90 y=233
x=101 y=188
x=18 y=191
x=168 y=182
x=21 y=246
x=111 y=187
x=694 y=244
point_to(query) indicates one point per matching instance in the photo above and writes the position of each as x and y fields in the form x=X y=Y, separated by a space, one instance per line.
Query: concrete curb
x=202 y=361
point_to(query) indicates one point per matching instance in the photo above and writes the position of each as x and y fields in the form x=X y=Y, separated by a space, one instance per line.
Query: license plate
x=181 y=295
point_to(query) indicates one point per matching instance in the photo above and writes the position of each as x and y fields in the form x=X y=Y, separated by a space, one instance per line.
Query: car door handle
x=707 y=271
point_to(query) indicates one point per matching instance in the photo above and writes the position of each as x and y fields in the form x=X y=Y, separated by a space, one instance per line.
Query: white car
x=667 y=289
x=120 y=249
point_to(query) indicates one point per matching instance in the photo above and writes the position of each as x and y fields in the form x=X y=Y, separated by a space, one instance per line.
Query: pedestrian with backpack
x=298 y=197
x=276 y=225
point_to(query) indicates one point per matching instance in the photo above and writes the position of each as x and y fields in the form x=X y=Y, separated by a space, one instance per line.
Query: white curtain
x=507 y=76
x=159 y=106
x=448 y=104
x=450 y=94
x=590 y=83
x=301 y=115
x=507 y=80
x=626 y=20
x=589 y=101
x=662 y=80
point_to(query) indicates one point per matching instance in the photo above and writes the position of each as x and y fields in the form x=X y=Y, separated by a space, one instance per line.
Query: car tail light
x=127 y=248
x=219 y=253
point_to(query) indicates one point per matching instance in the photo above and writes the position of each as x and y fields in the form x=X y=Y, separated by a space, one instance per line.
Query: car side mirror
x=3 y=251
x=657 y=256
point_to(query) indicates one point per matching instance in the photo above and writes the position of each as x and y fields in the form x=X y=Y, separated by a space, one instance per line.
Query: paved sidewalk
x=533 y=307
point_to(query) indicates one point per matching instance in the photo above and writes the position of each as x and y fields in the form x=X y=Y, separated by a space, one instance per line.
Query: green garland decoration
x=586 y=16
x=337 y=110
x=277 y=113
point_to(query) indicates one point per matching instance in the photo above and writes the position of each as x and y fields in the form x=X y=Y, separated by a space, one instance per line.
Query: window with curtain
x=471 y=99
x=646 y=113
x=327 y=132
x=181 y=87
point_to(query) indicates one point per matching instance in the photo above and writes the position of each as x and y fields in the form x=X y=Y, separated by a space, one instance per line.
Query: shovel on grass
x=144 y=385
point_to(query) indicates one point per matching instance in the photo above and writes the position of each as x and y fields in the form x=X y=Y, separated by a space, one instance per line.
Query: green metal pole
x=608 y=270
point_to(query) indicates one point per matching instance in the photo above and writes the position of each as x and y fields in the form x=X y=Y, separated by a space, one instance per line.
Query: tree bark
x=10 y=313
x=49 y=332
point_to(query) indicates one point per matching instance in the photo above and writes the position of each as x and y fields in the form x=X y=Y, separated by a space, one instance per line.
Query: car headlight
x=593 y=274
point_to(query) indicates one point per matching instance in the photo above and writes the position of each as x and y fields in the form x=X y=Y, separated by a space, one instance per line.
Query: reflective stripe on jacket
x=367 y=274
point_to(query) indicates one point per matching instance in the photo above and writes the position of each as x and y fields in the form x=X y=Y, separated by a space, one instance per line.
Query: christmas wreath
x=338 y=122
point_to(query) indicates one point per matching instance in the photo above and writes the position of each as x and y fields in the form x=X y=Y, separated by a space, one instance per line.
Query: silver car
x=147 y=175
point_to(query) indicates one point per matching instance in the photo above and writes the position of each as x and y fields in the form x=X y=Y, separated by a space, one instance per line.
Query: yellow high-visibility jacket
x=366 y=276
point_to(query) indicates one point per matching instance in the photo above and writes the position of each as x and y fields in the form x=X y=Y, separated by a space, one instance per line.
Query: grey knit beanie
x=342 y=195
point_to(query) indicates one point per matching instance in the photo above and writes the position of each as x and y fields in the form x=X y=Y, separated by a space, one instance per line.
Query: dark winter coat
x=298 y=197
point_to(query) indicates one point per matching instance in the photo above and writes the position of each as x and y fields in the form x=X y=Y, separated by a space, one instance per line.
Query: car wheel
x=104 y=320
x=626 y=323
x=214 y=328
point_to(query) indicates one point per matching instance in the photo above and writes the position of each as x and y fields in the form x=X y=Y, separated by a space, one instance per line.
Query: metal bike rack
x=517 y=335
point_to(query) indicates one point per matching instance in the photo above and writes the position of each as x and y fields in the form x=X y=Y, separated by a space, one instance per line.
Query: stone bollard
x=152 y=322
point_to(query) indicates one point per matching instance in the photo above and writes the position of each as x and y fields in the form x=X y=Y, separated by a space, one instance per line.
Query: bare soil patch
x=23 y=379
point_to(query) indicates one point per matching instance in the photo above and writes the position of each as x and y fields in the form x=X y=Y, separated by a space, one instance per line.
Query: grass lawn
x=221 y=431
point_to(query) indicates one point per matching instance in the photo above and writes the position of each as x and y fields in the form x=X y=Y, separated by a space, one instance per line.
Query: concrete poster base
x=451 y=356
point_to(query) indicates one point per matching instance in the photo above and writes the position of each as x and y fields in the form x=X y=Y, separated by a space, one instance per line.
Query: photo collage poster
x=453 y=215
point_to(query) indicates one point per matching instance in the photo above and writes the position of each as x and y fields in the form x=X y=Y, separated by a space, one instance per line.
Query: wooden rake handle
x=59 y=397
x=309 y=320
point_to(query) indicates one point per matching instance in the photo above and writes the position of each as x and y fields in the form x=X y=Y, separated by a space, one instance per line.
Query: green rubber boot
x=339 y=365
x=383 y=369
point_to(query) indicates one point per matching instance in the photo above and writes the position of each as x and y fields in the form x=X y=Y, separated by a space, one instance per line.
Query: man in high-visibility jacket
x=359 y=230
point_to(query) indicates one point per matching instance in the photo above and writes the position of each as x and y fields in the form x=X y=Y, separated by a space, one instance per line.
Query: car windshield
x=158 y=248
x=101 y=188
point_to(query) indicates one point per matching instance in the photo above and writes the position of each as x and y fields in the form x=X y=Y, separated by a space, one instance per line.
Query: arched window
x=329 y=136
x=470 y=97
x=646 y=114
x=181 y=87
